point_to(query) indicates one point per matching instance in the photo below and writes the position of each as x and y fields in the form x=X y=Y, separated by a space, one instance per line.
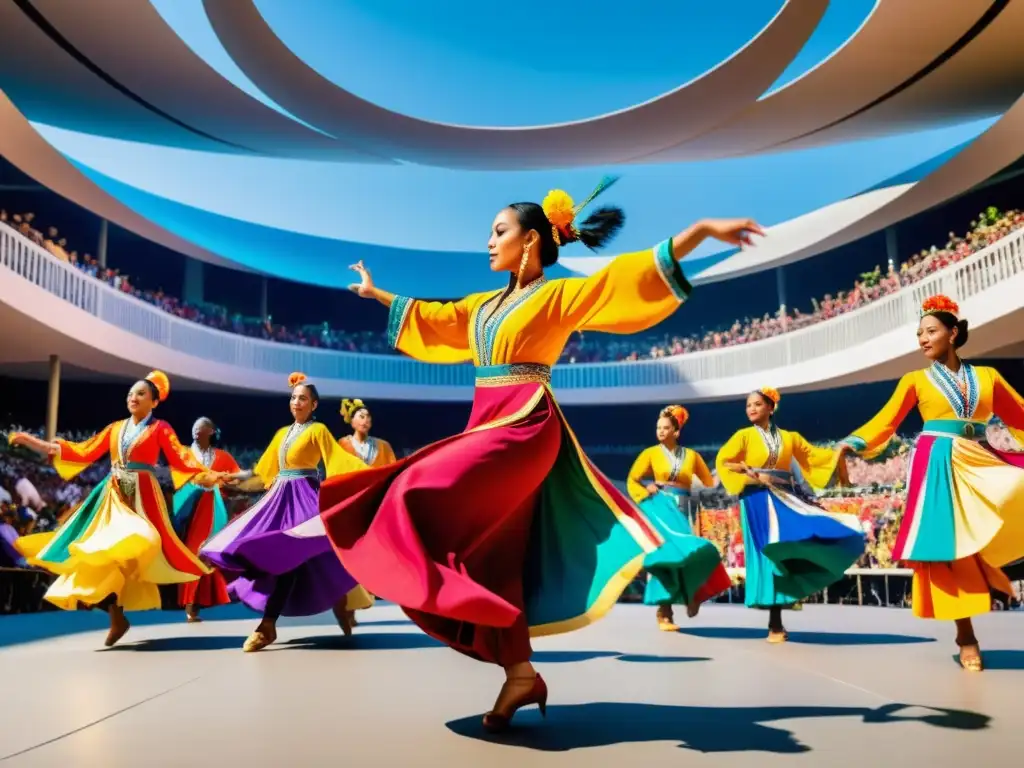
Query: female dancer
x=963 y=516
x=794 y=548
x=199 y=513
x=119 y=544
x=507 y=529
x=373 y=452
x=313 y=579
x=686 y=569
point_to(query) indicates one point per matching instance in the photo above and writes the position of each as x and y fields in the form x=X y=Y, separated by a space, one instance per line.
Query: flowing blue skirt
x=794 y=548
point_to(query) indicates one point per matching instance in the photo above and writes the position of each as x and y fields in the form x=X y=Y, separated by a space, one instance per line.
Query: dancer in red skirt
x=508 y=530
x=199 y=513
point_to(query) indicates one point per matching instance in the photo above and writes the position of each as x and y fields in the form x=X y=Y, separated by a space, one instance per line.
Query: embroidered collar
x=130 y=433
x=489 y=322
x=773 y=442
x=675 y=461
x=960 y=389
x=204 y=457
x=366 y=451
x=294 y=431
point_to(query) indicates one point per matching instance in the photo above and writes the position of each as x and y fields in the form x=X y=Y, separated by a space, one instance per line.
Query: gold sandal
x=257 y=641
x=777 y=637
x=971 y=663
x=666 y=621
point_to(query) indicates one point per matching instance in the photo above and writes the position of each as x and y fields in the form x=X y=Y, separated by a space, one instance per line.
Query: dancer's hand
x=733 y=231
x=652 y=488
x=365 y=287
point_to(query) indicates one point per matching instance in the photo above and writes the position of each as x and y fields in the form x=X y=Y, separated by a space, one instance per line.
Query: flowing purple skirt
x=246 y=549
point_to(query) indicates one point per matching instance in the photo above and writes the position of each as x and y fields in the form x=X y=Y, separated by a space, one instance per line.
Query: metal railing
x=960 y=280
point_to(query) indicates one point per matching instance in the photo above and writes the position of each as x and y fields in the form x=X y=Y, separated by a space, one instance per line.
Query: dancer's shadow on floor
x=180 y=643
x=998 y=659
x=367 y=641
x=702 y=729
x=808 y=638
x=572 y=657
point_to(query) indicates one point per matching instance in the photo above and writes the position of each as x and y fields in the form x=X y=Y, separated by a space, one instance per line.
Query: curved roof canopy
x=289 y=136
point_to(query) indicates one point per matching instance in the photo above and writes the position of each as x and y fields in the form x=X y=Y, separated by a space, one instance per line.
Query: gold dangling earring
x=522 y=266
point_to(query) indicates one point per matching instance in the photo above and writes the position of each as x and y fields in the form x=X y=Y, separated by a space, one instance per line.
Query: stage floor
x=854 y=686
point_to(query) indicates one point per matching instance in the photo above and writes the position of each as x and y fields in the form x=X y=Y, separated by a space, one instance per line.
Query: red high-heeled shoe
x=495 y=722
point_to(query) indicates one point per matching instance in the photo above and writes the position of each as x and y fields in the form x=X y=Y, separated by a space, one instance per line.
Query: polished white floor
x=853 y=687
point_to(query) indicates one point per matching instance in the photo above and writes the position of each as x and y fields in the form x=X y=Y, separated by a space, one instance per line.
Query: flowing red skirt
x=446 y=533
x=211 y=589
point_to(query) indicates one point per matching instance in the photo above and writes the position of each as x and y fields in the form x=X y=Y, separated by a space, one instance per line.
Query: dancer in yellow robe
x=964 y=516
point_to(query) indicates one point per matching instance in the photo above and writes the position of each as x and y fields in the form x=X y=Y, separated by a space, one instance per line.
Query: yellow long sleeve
x=701 y=471
x=268 y=466
x=821 y=467
x=632 y=293
x=640 y=470
x=871 y=439
x=733 y=452
x=337 y=461
x=432 y=331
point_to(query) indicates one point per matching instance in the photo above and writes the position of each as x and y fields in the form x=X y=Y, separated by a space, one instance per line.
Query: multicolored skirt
x=964 y=519
x=200 y=513
x=794 y=547
x=118 y=542
x=686 y=567
x=257 y=547
x=504 y=531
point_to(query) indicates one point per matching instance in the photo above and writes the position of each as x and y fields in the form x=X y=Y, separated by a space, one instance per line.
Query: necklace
x=205 y=457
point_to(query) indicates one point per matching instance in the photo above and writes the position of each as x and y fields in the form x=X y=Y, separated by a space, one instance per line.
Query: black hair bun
x=961 y=334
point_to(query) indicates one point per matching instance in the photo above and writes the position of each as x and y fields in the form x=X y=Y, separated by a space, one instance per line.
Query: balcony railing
x=961 y=281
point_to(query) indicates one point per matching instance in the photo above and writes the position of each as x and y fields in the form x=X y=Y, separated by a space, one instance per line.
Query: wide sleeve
x=701 y=471
x=640 y=471
x=184 y=466
x=388 y=453
x=431 y=331
x=1008 y=406
x=872 y=438
x=337 y=461
x=631 y=294
x=268 y=466
x=733 y=452
x=226 y=462
x=821 y=467
x=72 y=458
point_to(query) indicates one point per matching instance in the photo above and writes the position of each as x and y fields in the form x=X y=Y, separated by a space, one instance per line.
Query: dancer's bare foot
x=346 y=618
x=119 y=625
x=264 y=635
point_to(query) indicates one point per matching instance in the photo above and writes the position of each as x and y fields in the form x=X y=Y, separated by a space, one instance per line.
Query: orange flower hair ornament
x=678 y=413
x=295 y=379
x=159 y=380
x=940 y=303
x=561 y=211
x=349 y=408
x=771 y=394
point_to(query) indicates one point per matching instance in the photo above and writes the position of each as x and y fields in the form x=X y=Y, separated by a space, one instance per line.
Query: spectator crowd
x=991 y=225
